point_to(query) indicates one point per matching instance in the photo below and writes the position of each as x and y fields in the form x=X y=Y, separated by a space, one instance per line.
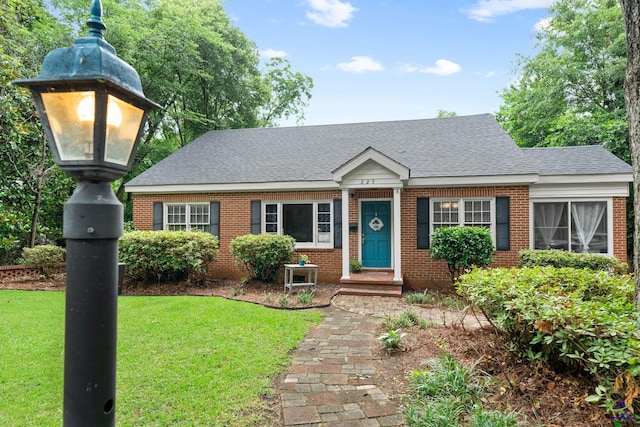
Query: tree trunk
x=34 y=217
x=631 y=14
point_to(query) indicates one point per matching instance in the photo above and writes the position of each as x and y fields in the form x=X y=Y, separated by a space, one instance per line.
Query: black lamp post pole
x=92 y=224
x=82 y=94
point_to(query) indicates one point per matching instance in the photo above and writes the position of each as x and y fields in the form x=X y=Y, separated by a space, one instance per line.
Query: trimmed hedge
x=163 y=256
x=263 y=255
x=461 y=248
x=576 y=318
x=45 y=258
x=561 y=259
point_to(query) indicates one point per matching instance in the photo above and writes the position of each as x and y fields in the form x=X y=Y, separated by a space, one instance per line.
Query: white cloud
x=330 y=13
x=486 y=10
x=404 y=68
x=360 y=64
x=272 y=53
x=442 y=68
x=490 y=74
x=542 y=25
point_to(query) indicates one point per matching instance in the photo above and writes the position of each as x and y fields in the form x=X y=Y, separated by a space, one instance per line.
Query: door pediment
x=371 y=169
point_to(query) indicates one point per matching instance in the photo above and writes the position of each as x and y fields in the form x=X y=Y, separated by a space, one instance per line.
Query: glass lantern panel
x=71 y=117
x=123 y=123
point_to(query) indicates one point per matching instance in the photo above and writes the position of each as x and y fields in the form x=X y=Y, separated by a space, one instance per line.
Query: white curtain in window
x=587 y=217
x=547 y=217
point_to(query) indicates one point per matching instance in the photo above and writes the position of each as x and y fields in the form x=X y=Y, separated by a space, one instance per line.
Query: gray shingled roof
x=582 y=160
x=444 y=147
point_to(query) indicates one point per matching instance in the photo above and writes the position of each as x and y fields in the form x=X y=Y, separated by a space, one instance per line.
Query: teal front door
x=375 y=220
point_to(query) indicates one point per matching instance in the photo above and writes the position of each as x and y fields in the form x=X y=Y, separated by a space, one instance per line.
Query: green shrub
x=45 y=258
x=561 y=259
x=263 y=255
x=461 y=248
x=355 y=266
x=163 y=256
x=570 y=317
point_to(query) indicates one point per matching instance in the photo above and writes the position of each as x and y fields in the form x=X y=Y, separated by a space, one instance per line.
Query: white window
x=309 y=223
x=469 y=212
x=573 y=225
x=187 y=217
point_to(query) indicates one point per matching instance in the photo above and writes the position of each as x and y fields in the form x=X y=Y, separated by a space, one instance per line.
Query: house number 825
x=367 y=181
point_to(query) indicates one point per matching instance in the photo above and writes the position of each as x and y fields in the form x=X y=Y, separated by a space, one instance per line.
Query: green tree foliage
x=461 y=248
x=202 y=70
x=31 y=188
x=571 y=91
x=263 y=255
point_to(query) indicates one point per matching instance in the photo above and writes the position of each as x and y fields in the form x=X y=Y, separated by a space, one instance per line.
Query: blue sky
x=376 y=60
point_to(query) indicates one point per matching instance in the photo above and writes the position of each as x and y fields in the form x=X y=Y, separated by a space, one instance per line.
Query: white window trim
x=165 y=213
x=300 y=245
x=461 y=201
x=608 y=200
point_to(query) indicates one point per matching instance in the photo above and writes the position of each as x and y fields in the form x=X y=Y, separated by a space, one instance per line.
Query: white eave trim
x=475 y=181
x=233 y=187
x=577 y=189
x=586 y=179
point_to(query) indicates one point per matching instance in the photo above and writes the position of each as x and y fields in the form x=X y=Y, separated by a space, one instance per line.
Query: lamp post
x=93 y=113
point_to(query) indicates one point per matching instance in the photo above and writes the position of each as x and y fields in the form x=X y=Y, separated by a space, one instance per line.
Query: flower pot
x=301 y=262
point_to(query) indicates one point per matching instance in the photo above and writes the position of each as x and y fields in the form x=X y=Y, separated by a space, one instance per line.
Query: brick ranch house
x=374 y=192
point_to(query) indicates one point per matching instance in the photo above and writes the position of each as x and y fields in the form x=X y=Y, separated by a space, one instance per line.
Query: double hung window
x=187 y=216
x=469 y=212
x=309 y=223
x=575 y=226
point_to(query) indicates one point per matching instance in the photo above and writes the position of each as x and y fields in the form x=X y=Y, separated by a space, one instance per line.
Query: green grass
x=182 y=361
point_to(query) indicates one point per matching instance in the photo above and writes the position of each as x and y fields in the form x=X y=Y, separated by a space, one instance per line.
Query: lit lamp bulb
x=86 y=111
x=86 y=108
x=114 y=115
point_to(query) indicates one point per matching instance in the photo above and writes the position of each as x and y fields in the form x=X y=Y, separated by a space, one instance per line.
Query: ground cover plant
x=447 y=394
x=182 y=361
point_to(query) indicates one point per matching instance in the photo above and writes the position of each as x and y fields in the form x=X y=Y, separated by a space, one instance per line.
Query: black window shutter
x=422 y=216
x=157 y=216
x=337 y=223
x=256 y=217
x=214 y=219
x=503 y=239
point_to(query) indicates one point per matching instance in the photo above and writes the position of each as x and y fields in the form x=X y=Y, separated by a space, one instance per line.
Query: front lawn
x=182 y=361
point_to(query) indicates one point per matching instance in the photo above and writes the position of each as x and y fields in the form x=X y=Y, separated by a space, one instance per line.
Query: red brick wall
x=620 y=228
x=235 y=220
x=418 y=269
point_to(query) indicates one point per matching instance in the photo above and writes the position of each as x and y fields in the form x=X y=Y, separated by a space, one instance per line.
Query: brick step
x=372 y=290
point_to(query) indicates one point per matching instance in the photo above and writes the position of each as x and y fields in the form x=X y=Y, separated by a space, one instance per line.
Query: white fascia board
x=475 y=181
x=233 y=187
x=586 y=179
x=569 y=190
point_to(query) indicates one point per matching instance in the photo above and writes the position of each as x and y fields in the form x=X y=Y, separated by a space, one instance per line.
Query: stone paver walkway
x=332 y=381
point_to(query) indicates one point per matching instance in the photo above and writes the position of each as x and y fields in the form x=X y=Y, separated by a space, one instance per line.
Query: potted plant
x=303 y=259
x=355 y=266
